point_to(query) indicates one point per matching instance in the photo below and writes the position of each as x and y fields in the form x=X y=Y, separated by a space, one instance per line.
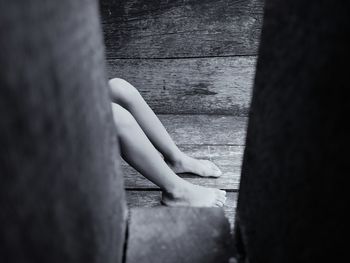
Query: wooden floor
x=216 y=138
x=193 y=62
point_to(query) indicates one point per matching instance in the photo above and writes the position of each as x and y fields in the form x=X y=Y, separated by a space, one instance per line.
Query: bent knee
x=118 y=82
x=122 y=118
x=122 y=92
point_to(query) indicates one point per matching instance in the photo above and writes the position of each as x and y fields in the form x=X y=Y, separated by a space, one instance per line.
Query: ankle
x=176 y=158
x=177 y=190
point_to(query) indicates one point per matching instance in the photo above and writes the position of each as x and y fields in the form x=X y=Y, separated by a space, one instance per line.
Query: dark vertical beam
x=292 y=196
x=61 y=192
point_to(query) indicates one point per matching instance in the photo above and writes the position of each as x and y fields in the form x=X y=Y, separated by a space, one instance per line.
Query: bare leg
x=127 y=96
x=139 y=152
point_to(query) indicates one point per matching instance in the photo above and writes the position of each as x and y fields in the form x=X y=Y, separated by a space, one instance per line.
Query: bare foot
x=188 y=194
x=187 y=164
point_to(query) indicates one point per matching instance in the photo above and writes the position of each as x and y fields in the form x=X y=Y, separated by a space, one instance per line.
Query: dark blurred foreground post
x=61 y=191
x=292 y=204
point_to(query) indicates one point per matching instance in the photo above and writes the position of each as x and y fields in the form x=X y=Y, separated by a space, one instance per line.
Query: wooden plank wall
x=185 y=57
x=178 y=28
x=194 y=62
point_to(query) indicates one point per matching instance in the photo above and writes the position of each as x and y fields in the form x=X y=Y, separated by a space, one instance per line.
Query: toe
x=222 y=199
x=219 y=203
x=217 y=173
x=221 y=193
x=211 y=170
x=215 y=170
x=214 y=166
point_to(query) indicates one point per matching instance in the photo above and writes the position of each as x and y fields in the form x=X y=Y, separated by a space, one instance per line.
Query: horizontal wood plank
x=190 y=86
x=205 y=129
x=152 y=199
x=173 y=235
x=228 y=159
x=176 y=28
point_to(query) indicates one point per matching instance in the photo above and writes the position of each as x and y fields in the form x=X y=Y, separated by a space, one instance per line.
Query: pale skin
x=142 y=137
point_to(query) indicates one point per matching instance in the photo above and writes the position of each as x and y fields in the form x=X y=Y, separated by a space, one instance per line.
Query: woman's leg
x=127 y=96
x=139 y=152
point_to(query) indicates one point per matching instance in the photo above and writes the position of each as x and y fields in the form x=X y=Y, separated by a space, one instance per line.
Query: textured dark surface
x=194 y=28
x=205 y=129
x=190 y=86
x=185 y=57
x=292 y=203
x=178 y=235
x=61 y=194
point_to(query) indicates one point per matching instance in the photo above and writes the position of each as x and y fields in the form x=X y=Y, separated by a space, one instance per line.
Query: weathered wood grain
x=172 y=235
x=61 y=192
x=177 y=28
x=199 y=85
x=205 y=129
x=152 y=199
x=228 y=158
